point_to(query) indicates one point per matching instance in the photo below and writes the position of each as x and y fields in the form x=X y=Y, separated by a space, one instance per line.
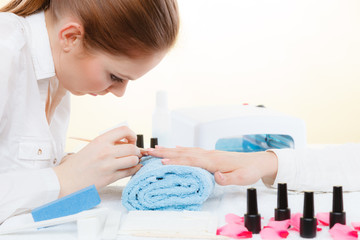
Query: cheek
x=81 y=75
x=92 y=76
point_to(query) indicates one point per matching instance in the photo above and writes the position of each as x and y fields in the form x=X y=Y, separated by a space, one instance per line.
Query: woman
x=49 y=49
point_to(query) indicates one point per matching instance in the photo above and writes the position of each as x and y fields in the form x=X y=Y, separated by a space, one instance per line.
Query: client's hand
x=103 y=161
x=229 y=168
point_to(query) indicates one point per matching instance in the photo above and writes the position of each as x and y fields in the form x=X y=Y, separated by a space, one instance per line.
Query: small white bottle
x=161 y=120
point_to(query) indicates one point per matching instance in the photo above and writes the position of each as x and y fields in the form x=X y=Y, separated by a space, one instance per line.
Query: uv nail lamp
x=218 y=127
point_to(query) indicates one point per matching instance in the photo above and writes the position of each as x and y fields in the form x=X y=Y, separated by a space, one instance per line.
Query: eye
x=115 y=78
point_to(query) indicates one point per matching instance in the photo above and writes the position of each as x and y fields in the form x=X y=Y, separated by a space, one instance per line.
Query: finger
x=164 y=152
x=195 y=157
x=123 y=150
x=188 y=162
x=157 y=146
x=122 y=141
x=143 y=152
x=127 y=172
x=125 y=162
x=117 y=134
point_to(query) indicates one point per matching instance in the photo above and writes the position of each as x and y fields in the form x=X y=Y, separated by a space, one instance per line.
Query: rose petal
x=323 y=218
x=233 y=218
x=356 y=225
x=283 y=233
x=279 y=225
x=295 y=221
x=353 y=234
x=339 y=231
x=234 y=230
x=269 y=233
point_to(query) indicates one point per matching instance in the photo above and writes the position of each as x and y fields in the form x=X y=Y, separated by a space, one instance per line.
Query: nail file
x=76 y=202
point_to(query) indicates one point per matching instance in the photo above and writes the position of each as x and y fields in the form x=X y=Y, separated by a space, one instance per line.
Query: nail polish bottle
x=337 y=215
x=153 y=142
x=140 y=141
x=282 y=212
x=308 y=222
x=252 y=218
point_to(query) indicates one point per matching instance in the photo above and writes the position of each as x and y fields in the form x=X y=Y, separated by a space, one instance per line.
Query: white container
x=161 y=120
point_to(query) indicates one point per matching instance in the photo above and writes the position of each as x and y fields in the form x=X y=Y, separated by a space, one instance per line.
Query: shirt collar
x=40 y=46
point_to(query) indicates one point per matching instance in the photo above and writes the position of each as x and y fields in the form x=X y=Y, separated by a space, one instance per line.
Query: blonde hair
x=129 y=27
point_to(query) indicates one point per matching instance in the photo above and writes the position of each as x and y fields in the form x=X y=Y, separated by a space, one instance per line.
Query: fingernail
x=149 y=149
x=221 y=176
x=165 y=160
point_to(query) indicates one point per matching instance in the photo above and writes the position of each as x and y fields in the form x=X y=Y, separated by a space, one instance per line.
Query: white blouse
x=320 y=168
x=29 y=146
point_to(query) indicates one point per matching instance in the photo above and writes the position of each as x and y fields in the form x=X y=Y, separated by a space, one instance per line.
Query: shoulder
x=10 y=21
x=12 y=31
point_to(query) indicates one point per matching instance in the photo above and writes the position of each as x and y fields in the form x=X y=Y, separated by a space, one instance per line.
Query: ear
x=70 y=36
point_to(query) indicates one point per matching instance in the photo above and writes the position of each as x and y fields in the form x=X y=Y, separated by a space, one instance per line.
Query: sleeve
x=11 y=41
x=319 y=169
x=20 y=190
x=6 y=63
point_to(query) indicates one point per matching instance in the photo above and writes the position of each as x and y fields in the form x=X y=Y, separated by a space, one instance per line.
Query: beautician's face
x=99 y=74
x=83 y=71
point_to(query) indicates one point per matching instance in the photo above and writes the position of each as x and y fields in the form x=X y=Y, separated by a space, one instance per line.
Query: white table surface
x=224 y=200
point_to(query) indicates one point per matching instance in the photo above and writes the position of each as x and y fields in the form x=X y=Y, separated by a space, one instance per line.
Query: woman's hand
x=104 y=160
x=229 y=168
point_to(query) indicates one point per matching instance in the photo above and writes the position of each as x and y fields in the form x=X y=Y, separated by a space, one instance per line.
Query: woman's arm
x=312 y=169
x=229 y=168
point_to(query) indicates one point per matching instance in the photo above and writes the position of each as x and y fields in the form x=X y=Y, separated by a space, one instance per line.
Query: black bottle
x=153 y=142
x=252 y=218
x=140 y=141
x=282 y=212
x=337 y=215
x=308 y=222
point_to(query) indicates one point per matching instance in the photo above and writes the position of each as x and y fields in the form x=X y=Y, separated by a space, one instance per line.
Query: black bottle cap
x=337 y=199
x=153 y=142
x=282 y=212
x=308 y=223
x=252 y=201
x=282 y=200
x=140 y=141
x=252 y=218
x=337 y=215
x=308 y=205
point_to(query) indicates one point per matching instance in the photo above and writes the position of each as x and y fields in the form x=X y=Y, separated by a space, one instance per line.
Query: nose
x=118 y=89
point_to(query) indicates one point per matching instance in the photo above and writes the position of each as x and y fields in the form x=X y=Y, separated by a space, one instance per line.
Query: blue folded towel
x=167 y=187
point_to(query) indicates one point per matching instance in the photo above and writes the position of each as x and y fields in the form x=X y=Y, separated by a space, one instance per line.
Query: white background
x=300 y=57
